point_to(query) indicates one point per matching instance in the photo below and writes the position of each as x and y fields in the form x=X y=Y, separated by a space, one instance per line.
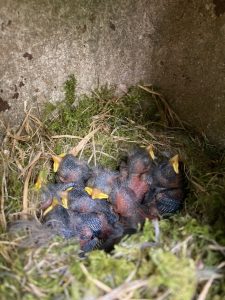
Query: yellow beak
x=65 y=203
x=150 y=149
x=64 y=198
x=88 y=190
x=38 y=184
x=70 y=189
x=55 y=202
x=42 y=178
x=96 y=193
x=174 y=161
x=57 y=159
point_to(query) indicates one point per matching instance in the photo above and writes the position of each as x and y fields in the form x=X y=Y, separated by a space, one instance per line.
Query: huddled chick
x=69 y=168
x=52 y=191
x=166 y=186
x=78 y=200
x=125 y=203
x=101 y=183
x=138 y=166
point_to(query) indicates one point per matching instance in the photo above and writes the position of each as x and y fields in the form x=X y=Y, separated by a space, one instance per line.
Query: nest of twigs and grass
x=188 y=264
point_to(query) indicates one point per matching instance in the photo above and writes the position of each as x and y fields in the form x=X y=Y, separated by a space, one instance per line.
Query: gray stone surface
x=177 y=45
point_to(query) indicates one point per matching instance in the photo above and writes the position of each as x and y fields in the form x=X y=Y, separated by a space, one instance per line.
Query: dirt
x=4 y=105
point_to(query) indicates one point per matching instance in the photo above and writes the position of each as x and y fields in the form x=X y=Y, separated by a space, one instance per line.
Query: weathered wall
x=177 y=45
x=190 y=63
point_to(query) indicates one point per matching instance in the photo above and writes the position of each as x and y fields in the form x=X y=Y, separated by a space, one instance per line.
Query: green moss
x=176 y=274
x=15 y=187
x=70 y=89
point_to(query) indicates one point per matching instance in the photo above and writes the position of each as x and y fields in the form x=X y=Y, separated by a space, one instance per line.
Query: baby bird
x=71 y=169
x=162 y=204
x=125 y=203
x=169 y=201
x=167 y=186
x=123 y=170
x=52 y=191
x=167 y=174
x=166 y=193
x=79 y=201
x=58 y=220
x=73 y=225
x=139 y=163
x=94 y=231
x=133 y=214
x=101 y=183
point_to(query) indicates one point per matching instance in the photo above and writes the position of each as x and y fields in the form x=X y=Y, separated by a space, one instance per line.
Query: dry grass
x=103 y=127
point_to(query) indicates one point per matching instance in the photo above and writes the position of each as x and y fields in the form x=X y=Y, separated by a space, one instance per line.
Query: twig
x=18 y=138
x=105 y=154
x=2 y=200
x=181 y=244
x=25 y=191
x=149 y=91
x=169 y=113
x=94 y=150
x=8 y=243
x=206 y=288
x=98 y=283
x=20 y=131
x=164 y=295
x=200 y=187
x=124 y=288
x=26 y=183
x=35 y=290
x=217 y=248
x=83 y=142
x=221 y=265
x=36 y=158
x=69 y=136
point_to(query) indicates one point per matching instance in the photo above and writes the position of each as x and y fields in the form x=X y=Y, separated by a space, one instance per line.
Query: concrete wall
x=177 y=45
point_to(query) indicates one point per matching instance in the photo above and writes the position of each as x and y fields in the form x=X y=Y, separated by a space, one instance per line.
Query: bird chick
x=93 y=230
x=58 y=219
x=79 y=201
x=86 y=228
x=125 y=203
x=132 y=213
x=123 y=170
x=169 y=201
x=139 y=164
x=70 y=169
x=166 y=193
x=139 y=161
x=167 y=174
x=165 y=202
x=101 y=183
x=52 y=191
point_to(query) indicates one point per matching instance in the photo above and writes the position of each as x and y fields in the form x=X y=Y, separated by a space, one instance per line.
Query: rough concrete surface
x=179 y=46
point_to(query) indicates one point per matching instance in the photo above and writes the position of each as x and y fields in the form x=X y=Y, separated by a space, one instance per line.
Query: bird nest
x=100 y=128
